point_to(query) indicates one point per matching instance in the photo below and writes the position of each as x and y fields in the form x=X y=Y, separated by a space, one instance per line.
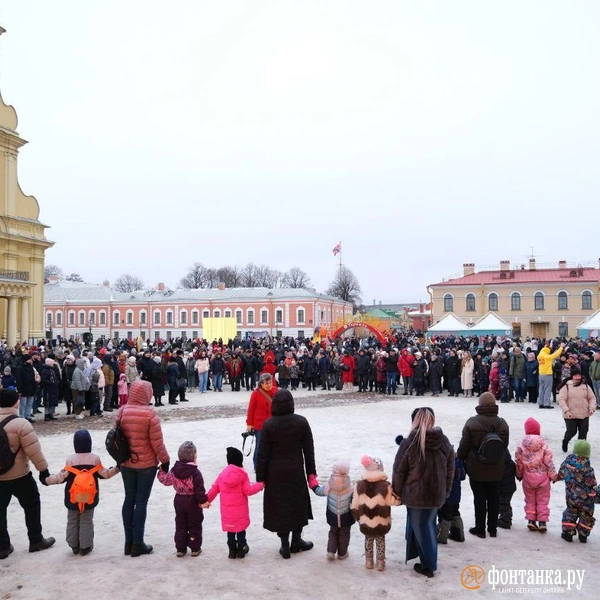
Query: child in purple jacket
x=234 y=485
x=190 y=494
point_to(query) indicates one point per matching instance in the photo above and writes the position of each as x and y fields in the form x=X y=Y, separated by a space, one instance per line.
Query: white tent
x=449 y=324
x=590 y=327
x=491 y=324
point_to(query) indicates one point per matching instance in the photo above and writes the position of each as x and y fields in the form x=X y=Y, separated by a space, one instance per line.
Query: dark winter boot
x=139 y=549
x=298 y=544
x=241 y=550
x=232 y=550
x=457 y=530
x=285 y=545
x=443 y=532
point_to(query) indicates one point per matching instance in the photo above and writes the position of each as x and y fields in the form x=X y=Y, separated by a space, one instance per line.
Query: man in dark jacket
x=250 y=369
x=363 y=362
x=517 y=373
x=484 y=478
x=392 y=372
x=285 y=457
x=452 y=373
x=182 y=374
x=26 y=386
x=311 y=371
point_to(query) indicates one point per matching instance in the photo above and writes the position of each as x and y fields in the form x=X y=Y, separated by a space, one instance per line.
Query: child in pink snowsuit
x=234 y=485
x=535 y=469
x=122 y=390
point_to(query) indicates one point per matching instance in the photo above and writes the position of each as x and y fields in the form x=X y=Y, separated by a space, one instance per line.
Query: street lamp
x=90 y=339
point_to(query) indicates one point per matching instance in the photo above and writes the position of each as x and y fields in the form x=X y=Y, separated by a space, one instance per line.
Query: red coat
x=269 y=366
x=406 y=364
x=259 y=408
x=141 y=427
x=348 y=375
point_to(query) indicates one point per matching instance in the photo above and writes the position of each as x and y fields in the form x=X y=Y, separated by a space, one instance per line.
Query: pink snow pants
x=537 y=499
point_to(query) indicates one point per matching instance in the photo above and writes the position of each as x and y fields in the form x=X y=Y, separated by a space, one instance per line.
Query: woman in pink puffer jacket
x=234 y=485
x=535 y=468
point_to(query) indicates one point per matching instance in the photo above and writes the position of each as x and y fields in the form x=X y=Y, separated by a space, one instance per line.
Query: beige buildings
x=537 y=300
x=22 y=243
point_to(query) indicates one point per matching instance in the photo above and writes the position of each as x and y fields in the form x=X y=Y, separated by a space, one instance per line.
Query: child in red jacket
x=234 y=485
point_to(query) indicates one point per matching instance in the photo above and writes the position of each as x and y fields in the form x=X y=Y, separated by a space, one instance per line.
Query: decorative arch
x=353 y=325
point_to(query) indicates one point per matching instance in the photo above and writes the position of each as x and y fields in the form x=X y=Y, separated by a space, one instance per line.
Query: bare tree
x=295 y=278
x=128 y=283
x=345 y=286
x=195 y=278
x=230 y=276
x=267 y=277
x=74 y=277
x=52 y=270
x=249 y=276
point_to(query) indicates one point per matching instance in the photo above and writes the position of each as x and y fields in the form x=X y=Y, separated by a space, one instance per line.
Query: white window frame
x=102 y=318
x=298 y=321
x=451 y=297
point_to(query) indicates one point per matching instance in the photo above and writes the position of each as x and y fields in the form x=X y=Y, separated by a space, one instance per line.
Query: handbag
x=117 y=445
x=181 y=383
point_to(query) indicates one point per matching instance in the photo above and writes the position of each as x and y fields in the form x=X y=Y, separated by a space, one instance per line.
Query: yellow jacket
x=545 y=360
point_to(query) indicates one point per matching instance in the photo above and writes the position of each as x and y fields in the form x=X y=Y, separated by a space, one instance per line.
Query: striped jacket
x=371 y=503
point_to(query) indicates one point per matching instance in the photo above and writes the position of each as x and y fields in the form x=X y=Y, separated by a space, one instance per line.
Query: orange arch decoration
x=353 y=325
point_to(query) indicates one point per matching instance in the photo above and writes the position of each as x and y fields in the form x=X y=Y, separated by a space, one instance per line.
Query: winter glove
x=43 y=476
x=313 y=482
x=165 y=467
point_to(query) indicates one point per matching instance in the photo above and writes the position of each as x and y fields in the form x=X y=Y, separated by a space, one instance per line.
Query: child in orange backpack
x=81 y=473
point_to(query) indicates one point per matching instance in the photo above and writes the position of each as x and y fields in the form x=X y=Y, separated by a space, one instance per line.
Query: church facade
x=22 y=243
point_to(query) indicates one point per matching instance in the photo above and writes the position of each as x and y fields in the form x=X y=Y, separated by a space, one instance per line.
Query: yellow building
x=541 y=301
x=22 y=242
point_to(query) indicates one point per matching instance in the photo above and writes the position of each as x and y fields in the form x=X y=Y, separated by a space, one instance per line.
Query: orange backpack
x=83 y=489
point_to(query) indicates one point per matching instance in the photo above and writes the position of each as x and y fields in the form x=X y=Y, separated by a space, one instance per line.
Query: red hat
x=532 y=427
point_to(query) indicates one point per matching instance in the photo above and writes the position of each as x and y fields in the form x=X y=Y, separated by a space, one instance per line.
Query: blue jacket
x=459 y=475
x=338 y=507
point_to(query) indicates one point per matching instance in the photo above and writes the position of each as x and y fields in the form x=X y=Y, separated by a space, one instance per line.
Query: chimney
x=221 y=286
x=53 y=279
x=562 y=264
x=106 y=283
x=160 y=287
x=505 y=265
x=468 y=269
x=532 y=264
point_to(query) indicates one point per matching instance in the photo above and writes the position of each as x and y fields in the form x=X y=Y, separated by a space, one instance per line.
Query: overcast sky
x=420 y=134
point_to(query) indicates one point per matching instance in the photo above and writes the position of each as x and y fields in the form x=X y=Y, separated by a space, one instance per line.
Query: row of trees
x=345 y=285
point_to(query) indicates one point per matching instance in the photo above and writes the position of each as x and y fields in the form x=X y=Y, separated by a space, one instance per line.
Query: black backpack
x=491 y=450
x=7 y=457
x=117 y=445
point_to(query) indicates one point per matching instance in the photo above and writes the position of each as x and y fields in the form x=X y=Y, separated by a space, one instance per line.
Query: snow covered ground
x=340 y=432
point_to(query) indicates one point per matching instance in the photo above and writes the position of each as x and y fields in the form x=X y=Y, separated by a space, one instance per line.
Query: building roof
x=77 y=292
x=524 y=276
x=449 y=324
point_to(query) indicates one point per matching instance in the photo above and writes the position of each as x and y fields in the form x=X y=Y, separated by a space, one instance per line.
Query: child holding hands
x=234 y=486
x=339 y=498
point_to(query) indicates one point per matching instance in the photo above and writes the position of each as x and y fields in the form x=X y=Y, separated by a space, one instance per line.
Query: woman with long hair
x=423 y=475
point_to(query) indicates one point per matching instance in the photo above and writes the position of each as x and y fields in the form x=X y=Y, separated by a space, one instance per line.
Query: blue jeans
x=519 y=388
x=138 y=485
x=597 y=391
x=545 y=390
x=202 y=379
x=217 y=381
x=391 y=382
x=421 y=536
x=25 y=407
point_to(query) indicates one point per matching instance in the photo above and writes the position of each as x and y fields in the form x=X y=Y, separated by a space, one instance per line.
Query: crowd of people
x=426 y=476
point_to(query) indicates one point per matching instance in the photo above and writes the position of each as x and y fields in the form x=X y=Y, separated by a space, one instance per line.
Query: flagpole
x=340 y=253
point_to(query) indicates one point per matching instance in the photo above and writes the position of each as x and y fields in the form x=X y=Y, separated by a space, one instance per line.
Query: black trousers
x=575 y=426
x=486 y=499
x=25 y=490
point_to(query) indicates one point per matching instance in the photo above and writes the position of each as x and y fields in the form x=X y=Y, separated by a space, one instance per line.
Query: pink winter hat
x=532 y=427
x=370 y=463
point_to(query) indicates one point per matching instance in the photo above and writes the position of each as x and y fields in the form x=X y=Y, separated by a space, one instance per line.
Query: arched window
x=470 y=301
x=59 y=319
x=102 y=318
x=116 y=318
x=563 y=301
x=448 y=303
x=515 y=301
x=183 y=317
x=250 y=316
x=157 y=317
x=194 y=317
x=71 y=318
x=538 y=301
x=301 y=315
x=586 y=300
x=216 y=313
x=493 y=301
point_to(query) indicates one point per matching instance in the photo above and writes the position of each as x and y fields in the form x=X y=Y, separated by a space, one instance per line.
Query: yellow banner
x=214 y=328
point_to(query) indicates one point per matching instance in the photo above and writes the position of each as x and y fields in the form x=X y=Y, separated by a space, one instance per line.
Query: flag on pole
x=337 y=249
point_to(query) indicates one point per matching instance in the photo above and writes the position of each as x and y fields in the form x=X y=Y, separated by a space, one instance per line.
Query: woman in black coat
x=285 y=457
